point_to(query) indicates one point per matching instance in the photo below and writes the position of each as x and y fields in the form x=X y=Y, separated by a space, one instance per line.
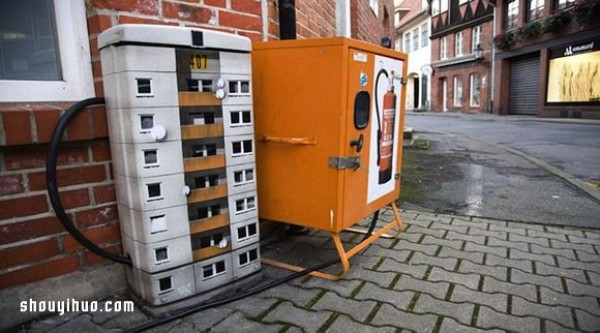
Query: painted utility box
x=329 y=120
x=179 y=105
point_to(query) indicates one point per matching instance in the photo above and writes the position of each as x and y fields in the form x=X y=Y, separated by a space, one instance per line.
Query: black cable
x=381 y=71
x=52 y=184
x=372 y=226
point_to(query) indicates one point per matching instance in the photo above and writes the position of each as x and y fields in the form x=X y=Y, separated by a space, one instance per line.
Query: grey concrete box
x=128 y=90
x=235 y=63
x=163 y=287
x=240 y=149
x=241 y=178
x=246 y=260
x=147 y=159
x=242 y=206
x=154 y=225
x=244 y=233
x=158 y=256
x=152 y=193
x=123 y=58
x=238 y=119
x=213 y=272
x=141 y=125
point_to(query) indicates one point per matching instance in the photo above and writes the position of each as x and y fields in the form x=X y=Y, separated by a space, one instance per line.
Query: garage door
x=524 y=86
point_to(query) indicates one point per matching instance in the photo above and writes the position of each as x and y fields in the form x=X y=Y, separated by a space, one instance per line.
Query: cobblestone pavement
x=442 y=274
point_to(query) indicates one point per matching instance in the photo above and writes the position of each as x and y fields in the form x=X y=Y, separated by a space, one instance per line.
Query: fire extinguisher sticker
x=363 y=79
x=384 y=141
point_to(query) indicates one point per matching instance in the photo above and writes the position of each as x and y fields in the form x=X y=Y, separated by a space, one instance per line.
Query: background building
x=461 y=55
x=48 y=61
x=412 y=36
x=548 y=59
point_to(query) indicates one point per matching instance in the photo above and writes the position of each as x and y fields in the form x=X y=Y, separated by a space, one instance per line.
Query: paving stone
x=309 y=321
x=528 y=226
x=468 y=280
x=422 y=221
x=547 y=235
x=500 y=235
x=435 y=289
x=488 y=318
x=592 y=234
x=567 y=263
x=483 y=225
x=390 y=265
x=390 y=316
x=344 y=288
x=594 y=278
x=552 y=327
x=447 y=263
x=81 y=323
x=497 y=301
x=182 y=326
x=407 y=238
x=566 y=253
x=587 y=303
x=400 y=299
x=582 y=289
x=498 y=272
x=455 y=244
x=461 y=312
x=361 y=262
x=489 y=221
x=451 y=325
x=552 y=282
x=526 y=291
x=295 y=294
x=575 y=246
x=343 y=324
x=565 y=231
x=125 y=320
x=208 y=318
x=495 y=242
x=425 y=248
x=587 y=322
x=519 y=264
x=451 y=227
x=476 y=257
x=383 y=279
x=377 y=251
x=580 y=239
x=357 y=310
x=496 y=251
x=545 y=258
x=559 y=314
x=426 y=231
x=526 y=239
x=575 y=274
x=469 y=238
x=252 y=306
x=591 y=258
x=238 y=323
x=508 y=229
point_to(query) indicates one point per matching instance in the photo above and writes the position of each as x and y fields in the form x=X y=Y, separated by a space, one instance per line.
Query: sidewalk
x=443 y=274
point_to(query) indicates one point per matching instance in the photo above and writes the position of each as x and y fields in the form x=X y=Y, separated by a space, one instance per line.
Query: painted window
x=35 y=64
x=458 y=91
x=511 y=14
x=475 y=89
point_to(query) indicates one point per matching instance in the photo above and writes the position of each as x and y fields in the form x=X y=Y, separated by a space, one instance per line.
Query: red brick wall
x=33 y=244
x=369 y=27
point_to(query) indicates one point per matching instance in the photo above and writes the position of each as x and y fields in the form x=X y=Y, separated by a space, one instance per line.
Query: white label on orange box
x=359 y=56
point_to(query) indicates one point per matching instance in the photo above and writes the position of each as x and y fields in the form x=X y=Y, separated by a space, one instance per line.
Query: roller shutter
x=524 y=86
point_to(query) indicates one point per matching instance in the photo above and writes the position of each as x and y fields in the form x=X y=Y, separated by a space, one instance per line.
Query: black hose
x=379 y=130
x=372 y=226
x=52 y=184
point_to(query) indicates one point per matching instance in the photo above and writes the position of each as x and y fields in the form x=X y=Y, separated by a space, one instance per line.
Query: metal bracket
x=344 y=162
x=397 y=175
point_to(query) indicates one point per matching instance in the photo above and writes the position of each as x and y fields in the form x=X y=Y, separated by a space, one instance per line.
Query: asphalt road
x=510 y=168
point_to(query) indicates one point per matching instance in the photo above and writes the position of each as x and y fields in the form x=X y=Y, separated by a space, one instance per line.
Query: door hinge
x=397 y=175
x=344 y=162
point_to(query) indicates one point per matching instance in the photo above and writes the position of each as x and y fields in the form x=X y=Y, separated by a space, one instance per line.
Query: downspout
x=342 y=18
x=264 y=11
x=493 y=65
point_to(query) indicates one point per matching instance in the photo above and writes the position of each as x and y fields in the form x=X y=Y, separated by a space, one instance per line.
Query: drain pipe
x=264 y=11
x=342 y=18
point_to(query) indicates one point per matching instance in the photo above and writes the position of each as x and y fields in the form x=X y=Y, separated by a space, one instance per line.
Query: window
x=242 y=147
x=248 y=257
x=435 y=7
x=44 y=51
x=424 y=35
x=243 y=177
x=560 y=4
x=241 y=117
x=458 y=44
x=460 y=2
x=374 y=4
x=511 y=14
x=475 y=89
x=215 y=269
x=247 y=231
x=237 y=88
x=534 y=9
x=415 y=39
x=245 y=205
x=444 y=48
x=457 y=91
x=443 y=6
x=476 y=38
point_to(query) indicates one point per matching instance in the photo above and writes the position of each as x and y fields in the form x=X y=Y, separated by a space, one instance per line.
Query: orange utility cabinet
x=329 y=119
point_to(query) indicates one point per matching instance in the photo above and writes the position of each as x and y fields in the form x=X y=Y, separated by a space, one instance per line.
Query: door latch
x=344 y=162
